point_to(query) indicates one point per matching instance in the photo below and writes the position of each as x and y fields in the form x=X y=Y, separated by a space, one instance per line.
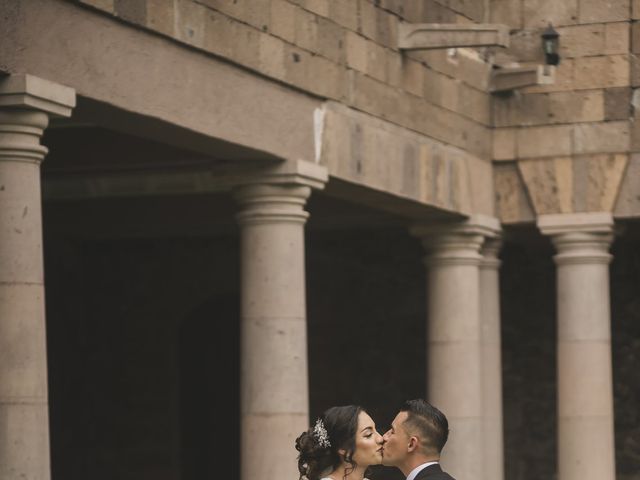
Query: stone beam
x=422 y=36
x=511 y=78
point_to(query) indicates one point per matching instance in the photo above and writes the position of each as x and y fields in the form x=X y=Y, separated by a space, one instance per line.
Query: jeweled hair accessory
x=320 y=432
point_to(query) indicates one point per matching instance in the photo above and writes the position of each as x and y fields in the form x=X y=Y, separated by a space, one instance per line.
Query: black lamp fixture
x=550 y=45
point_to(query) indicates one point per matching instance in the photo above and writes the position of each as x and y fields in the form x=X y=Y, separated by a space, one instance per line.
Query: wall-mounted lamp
x=551 y=45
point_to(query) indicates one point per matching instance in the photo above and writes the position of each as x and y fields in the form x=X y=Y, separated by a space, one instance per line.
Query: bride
x=340 y=446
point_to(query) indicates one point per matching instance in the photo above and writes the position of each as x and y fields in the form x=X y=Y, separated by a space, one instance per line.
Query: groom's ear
x=413 y=444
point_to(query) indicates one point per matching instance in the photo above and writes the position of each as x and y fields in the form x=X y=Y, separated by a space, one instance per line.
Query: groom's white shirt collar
x=418 y=469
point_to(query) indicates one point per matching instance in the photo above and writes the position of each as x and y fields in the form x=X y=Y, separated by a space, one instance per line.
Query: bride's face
x=368 y=449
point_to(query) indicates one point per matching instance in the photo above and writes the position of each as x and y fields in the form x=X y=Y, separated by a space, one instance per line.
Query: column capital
x=579 y=237
x=490 y=249
x=34 y=93
x=278 y=193
x=456 y=242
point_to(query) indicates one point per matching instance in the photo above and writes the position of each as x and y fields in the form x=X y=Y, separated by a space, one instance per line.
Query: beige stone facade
x=437 y=118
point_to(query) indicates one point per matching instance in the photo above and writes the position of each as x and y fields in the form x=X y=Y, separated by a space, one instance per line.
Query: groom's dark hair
x=428 y=423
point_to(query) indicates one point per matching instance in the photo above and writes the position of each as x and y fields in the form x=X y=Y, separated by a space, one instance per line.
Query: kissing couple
x=344 y=442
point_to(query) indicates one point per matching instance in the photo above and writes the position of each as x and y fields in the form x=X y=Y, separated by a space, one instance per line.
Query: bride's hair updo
x=334 y=430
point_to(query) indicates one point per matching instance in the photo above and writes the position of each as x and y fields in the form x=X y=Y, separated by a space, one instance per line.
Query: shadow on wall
x=210 y=391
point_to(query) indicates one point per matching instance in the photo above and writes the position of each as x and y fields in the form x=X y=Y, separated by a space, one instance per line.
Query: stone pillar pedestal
x=25 y=106
x=491 y=360
x=585 y=391
x=274 y=373
x=454 y=348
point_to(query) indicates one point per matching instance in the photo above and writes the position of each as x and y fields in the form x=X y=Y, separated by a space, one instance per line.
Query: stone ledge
x=28 y=91
x=417 y=36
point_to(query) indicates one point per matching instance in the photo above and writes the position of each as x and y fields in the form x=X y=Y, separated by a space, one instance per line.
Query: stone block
x=161 y=16
x=306 y=30
x=547 y=141
x=580 y=40
x=254 y=12
x=393 y=62
x=435 y=12
x=635 y=9
x=634 y=124
x=521 y=110
x=319 y=7
x=602 y=180
x=598 y=11
x=190 y=22
x=525 y=46
x=571 y=107
x=548 y=183
x=272 y=51
x=344 y=13
x=378 y=24
x=507 y=12
x=282 y=22
x=504 y=144
x=628 y=201
x=134 y=11
x=539 y=13
x=475 y=11
x=604 y=137
x=245 y=47
x=219 y=33
x=634 y=70
x=601 y=72
x=617 y=38
x=413 y=77
x=330 y=40
x=377 y=61
x=356 y=51
x=512 y=202
x=617 y=103
x=105 y=5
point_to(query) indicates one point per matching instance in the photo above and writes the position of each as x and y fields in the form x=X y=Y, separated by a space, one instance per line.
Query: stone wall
x=567 y=144
x=340 y=50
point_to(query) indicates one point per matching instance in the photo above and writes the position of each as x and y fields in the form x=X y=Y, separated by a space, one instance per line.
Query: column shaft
x=585 y=389
x=454 y=355
x=491 y=361
x=274 y=383
x=24 y=427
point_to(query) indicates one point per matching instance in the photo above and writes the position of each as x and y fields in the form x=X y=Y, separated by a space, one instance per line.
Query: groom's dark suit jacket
x=433 y=472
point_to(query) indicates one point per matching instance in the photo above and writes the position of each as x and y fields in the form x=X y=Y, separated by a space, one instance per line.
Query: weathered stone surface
x=544 y=141
x=601 y=137
x=548 y=184
x=588 y=183
x=594 y=11
x=161 y=16
x=507 y=12
x=131 y=10
x=106 y=5
x=617 y=103
x=539 y=13
x=504 y=143
x=628 y=200
x=512 y=202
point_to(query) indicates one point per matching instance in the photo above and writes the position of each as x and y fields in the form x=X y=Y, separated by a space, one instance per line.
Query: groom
x=415 y=440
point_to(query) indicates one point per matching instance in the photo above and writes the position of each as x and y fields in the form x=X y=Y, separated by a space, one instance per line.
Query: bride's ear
x=343 y=453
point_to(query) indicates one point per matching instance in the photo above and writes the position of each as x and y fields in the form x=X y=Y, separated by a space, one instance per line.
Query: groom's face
x=396 y=442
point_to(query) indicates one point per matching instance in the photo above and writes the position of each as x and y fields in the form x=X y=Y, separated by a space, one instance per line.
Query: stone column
x=491 y=360
x=25 y=106
x=274 y=374
x=585 y=391
x=454 y=344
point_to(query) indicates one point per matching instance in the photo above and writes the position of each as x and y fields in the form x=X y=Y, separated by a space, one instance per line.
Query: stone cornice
x=34 y=93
